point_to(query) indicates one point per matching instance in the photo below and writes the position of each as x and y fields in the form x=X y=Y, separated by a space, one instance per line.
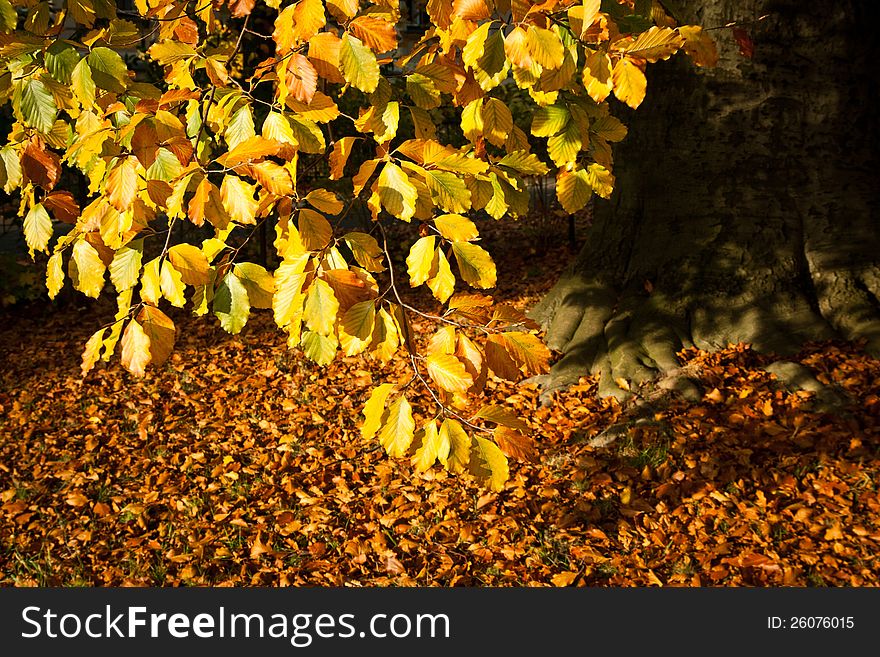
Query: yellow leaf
x=298 y=22
x=258 y=282
x=525 y=349
x=475 y=264
x=488 y=463
x=358 y=320
x=600 y=179
x=321 y=307
x=629 y=82
x=253 y=148
x=396 y=434
x=597 y=75
x=135 y=349
x=37 y=229
x=456 y=228
x=699 y=46
x=192 y=264
x=339 y=156
x=443 y=341
x=442 y=284
x=122 y=184
x=419 y=260
x=573 y=190
x=238 y=199
x=385 y=337
x=545 y=47
x=150 y=285
x=497 y=121
x=564 y=147
x=397 y=194
x=504 y=417
x=288 y=298
x=92 y=351
x=126 y=266
x=314 y=230
x=366 y=251
x=431 y=447
x=54 y=274
x=359 y=66
x=277 y=128
x=457 y=445
x=325 y=201
x=86 y=269
x=374 y=408
x=171 y=285
x=448 y=372
x=654 y=44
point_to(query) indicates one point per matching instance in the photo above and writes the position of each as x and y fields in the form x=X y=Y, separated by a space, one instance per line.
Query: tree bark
x=746 y=207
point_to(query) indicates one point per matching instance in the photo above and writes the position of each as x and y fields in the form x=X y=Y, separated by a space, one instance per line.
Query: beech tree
x=208 y=113
x=746 y=208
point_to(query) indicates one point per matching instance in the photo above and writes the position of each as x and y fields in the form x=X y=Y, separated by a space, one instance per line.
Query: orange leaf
x=377 y=34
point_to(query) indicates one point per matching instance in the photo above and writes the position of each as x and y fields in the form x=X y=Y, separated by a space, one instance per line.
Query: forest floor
x=239 y=463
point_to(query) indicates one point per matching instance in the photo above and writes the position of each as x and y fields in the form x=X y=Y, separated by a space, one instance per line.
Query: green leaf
x=374 y=408
x=38 y=107
x=82 y=84
x=37 y=229
x=108 y=70
x=475 y=264
x=61 y=58
x=318 y=348
x=240 y=128
x=231 y=304
x=359 y=66
x=126 y=266
x=488 y=463
x=166 y=166
x=396 y=434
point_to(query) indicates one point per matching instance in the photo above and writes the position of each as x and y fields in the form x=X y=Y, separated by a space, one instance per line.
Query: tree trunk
x=747 y=202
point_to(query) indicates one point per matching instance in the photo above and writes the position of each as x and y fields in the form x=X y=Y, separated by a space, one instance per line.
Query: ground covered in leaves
x=238 y=463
